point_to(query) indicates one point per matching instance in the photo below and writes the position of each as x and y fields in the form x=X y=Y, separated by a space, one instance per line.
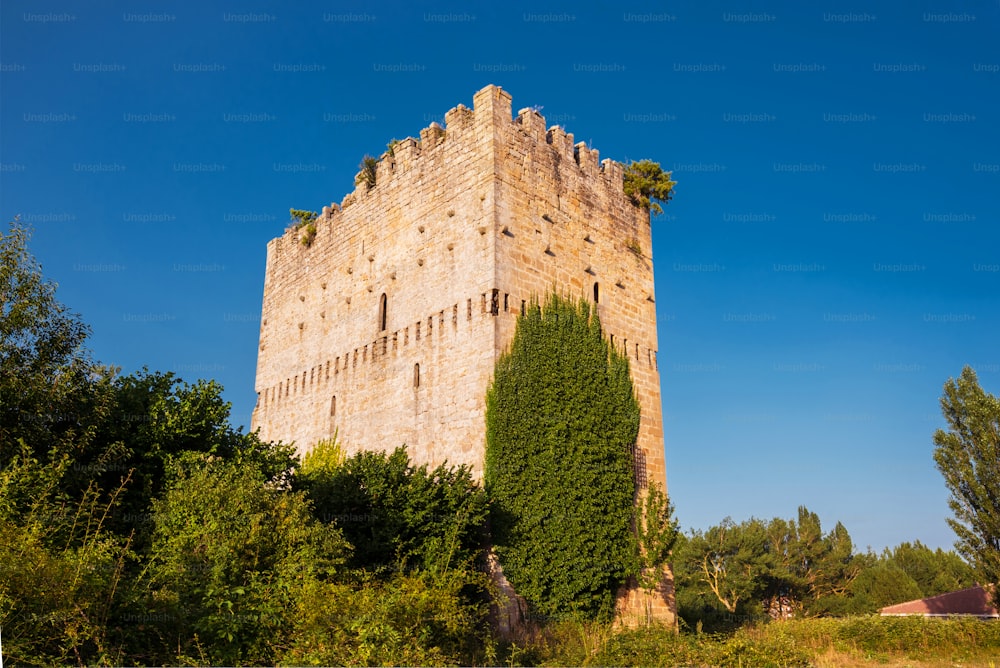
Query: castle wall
x=423 y=236
x=565 y=223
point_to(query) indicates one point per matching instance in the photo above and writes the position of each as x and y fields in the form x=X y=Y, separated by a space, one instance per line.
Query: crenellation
x=561 y=141
x=532 y=124
x=459 y=118
x=384 y=170
x=491 y=105
x=588 y=159
x=431 y=136
x=614 y=174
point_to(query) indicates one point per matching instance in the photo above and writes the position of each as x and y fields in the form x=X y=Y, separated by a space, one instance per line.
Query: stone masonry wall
x=423 y=237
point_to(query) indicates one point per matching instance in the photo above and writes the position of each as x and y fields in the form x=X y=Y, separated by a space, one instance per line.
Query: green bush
x=915 y=638
x=409 y=620
x=397 y=515
x=767 y=647
x=60 y=570
x=230 y=554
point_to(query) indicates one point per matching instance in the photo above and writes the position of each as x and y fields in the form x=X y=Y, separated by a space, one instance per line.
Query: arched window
x=382 y=303
x=333 y=405
x=416 y=375
x=597 y=291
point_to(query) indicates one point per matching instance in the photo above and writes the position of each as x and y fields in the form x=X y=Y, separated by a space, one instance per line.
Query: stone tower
x=386 y=328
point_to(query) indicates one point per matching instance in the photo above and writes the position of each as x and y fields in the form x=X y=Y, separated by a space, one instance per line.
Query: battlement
x=488 y=125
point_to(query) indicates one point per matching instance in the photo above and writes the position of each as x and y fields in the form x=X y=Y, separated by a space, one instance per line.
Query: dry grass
x=833 y=658
x=855 y=642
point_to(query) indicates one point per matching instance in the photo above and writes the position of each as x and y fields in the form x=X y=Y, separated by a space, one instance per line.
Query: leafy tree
x=561 y=420
x=881 y=584
x=50 y=390
x=822 y=563
x=782 y=567
x=968 y=456
x=731 y=560
x=904 y=573
x=935 y=572
x=397 y=515
x=646 y=182
x=154 y=418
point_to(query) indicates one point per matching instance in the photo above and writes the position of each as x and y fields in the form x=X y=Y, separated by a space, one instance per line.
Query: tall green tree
x=731 y=562
x=561 y=422
x=51 y=392
x=822 y=562
x=782 y=567
x=968 y=456
x=879 y=584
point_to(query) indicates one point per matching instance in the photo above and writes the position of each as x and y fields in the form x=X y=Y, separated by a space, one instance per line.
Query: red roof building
x=974 y=602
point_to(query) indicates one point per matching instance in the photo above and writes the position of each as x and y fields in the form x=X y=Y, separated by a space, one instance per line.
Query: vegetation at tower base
x=646 y=182
x=657 y=531
x=138 y=527
x=396 y=515
x=968 y=456
x=230 y=558
x=561 y=420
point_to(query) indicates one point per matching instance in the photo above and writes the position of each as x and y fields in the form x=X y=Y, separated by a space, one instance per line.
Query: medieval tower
x=386 y=327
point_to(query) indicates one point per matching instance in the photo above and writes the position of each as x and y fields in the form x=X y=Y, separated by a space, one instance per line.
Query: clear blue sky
x=831 y=258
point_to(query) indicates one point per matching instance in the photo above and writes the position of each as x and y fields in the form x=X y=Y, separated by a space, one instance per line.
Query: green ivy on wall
x=561 y=420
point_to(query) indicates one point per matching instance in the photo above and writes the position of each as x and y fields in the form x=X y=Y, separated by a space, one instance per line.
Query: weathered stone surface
x=459 y=231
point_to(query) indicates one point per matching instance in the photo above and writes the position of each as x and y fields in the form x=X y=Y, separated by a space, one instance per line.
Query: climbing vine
x=561 y=420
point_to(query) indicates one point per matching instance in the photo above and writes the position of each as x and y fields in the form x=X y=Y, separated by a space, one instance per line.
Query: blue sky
x=831 y=258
